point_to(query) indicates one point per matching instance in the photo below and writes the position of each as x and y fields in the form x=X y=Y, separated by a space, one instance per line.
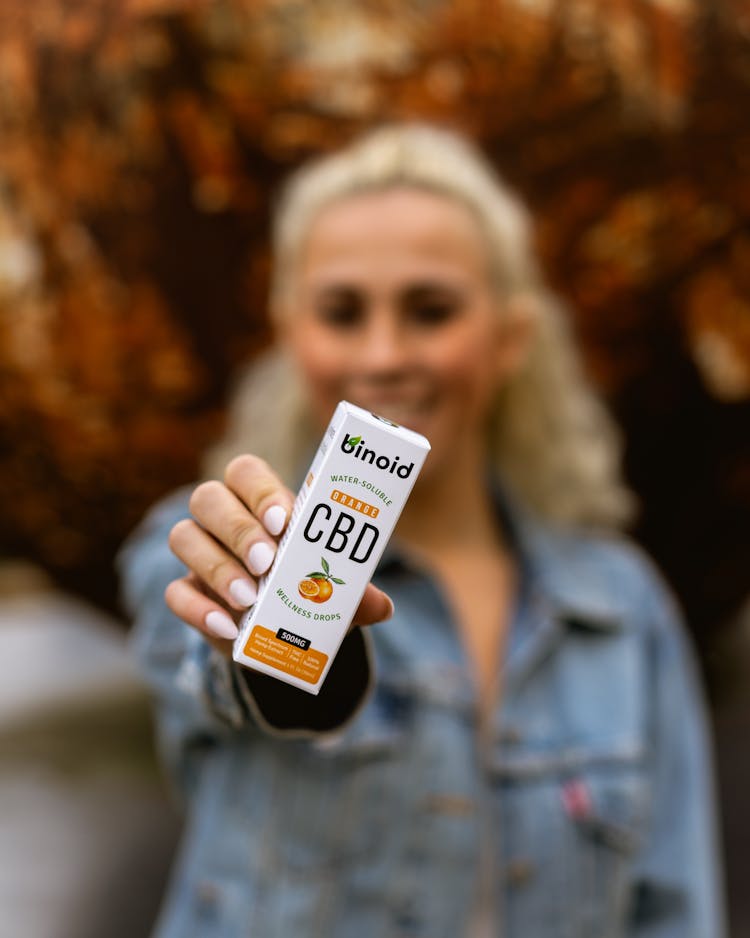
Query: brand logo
x=357 y=447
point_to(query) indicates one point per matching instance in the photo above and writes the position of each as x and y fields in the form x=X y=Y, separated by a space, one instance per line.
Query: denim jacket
x=366 y=812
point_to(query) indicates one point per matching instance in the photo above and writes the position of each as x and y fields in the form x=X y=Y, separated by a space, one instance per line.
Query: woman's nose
x=385 y=346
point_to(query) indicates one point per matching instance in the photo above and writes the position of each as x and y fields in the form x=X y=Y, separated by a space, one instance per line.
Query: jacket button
x=206 y=894
x=510 y=735
x=453 y=805
x=519 y=871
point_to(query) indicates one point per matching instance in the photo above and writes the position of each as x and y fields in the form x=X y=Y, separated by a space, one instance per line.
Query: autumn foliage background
x=140 y=146
x=141 y=142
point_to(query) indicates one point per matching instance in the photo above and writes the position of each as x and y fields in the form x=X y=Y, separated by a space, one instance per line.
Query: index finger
x=261 y=489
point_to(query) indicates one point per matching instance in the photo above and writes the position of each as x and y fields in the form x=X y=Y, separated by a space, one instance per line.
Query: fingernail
x=260 y=558
x=274 y=519
x=220 y=625
x=391 y=609
x=243 y=592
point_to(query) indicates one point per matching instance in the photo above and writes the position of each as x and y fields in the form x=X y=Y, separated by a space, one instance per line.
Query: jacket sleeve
x=201 y=695
x=678 y=889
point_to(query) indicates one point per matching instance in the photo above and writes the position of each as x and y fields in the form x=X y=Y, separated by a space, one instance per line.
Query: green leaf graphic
x=337 y=580
x=355 y=439
x=316 y=575
x=325 y=565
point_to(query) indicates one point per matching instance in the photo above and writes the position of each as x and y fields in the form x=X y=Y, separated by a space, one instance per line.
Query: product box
x=342 y=519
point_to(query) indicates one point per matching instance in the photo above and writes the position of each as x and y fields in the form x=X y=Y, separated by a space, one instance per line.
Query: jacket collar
x=561 y=566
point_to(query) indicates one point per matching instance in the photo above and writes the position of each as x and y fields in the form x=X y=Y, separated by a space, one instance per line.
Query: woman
x=518 y=746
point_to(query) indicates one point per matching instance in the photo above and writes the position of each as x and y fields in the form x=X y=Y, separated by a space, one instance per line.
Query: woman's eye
x=433 y=313
x=340 y=315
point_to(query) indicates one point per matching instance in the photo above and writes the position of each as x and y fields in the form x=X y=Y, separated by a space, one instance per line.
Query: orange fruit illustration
x=309 y=589
x=318 y=585
x=325 y=589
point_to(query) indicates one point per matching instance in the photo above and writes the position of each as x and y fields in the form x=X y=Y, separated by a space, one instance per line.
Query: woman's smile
x=394 y=311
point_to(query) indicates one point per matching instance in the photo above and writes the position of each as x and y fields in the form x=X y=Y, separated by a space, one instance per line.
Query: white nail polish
x=220 y=625
x=274 y=519
x=243 y=592
x=260 y=558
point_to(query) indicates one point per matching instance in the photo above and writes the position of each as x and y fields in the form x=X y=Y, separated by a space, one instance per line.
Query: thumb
x=376 y=606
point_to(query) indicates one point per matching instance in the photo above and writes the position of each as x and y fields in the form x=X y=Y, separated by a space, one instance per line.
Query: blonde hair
x=552 y=441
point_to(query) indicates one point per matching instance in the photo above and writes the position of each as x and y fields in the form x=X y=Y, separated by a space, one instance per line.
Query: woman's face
x=392 y=309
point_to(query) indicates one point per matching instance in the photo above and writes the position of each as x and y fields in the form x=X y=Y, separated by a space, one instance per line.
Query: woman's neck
x=451 y=508
x=450 y=528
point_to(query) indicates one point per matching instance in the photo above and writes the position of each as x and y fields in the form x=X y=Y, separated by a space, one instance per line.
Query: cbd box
x=341 y=521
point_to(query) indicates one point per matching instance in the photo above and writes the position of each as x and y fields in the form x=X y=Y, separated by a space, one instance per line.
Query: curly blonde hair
x=552 y=441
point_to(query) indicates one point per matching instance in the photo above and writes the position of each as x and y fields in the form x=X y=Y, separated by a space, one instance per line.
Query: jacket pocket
x=606 y=810
x=607 y=807
x=574 y=828
x=344 y=786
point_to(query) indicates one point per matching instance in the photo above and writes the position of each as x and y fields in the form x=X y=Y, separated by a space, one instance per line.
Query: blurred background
x=141 y=142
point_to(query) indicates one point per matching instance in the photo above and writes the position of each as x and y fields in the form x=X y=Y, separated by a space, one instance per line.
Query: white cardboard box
x=342 y=519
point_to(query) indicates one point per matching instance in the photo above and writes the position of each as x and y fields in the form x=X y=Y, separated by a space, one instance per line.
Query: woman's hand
x=229 y=544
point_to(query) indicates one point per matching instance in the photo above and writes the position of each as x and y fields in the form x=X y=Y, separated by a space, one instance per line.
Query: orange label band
x=349 y=501
x=264 y=646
